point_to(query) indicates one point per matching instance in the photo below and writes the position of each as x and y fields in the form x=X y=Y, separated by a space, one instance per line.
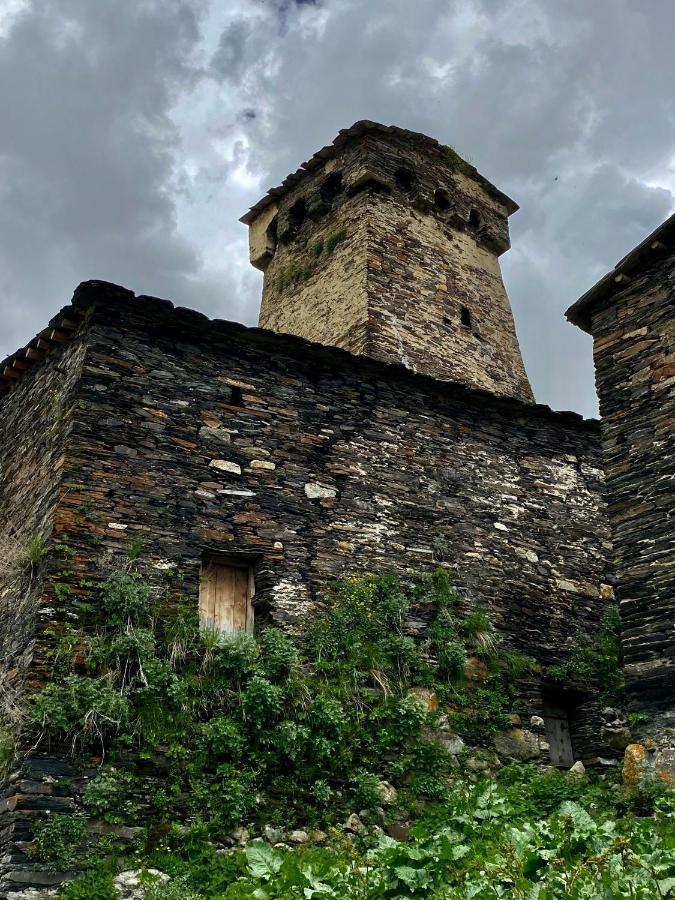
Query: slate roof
x=659 y=240
x=363 y=126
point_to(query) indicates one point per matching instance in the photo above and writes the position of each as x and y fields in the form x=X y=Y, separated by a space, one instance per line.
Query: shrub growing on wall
x=250 y=727
x=264 y=731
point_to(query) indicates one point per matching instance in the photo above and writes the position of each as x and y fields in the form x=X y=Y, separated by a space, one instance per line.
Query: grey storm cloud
x=135 y=135
x=230 y=61
x=87 y=152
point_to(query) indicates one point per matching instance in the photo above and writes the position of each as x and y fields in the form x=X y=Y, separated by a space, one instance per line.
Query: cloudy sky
x=136 y=132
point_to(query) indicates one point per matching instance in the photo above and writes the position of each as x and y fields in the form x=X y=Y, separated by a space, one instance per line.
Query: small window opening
x=298 y=212
x=441 y=200
x=404 y=179
x=331 y=186
x=226 y=589
x=465 y=317
x=271 y=233
x=474 y=218
x=236 y=397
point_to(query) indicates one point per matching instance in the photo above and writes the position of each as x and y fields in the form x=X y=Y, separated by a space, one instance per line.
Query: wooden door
x=558 y=737
x=225 y=594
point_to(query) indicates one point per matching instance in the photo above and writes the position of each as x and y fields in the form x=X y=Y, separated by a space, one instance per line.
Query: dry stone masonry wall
x=194 y=435
x=35 y=424
x=34 y=429
x=634 y=351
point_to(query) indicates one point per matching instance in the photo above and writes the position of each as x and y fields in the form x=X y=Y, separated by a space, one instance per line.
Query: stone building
x=631 y=315
x=380 y=421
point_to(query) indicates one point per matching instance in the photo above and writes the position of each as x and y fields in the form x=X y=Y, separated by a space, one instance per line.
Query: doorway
x=555 y=714
x=226 y=589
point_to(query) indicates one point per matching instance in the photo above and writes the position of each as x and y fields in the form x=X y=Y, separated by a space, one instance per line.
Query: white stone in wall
x=316 y=491
x=262 y=464
x=578 y=587
x=226 y=466
x=529 y=555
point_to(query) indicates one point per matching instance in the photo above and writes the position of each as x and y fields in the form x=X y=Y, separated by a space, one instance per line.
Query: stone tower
x=387 y=244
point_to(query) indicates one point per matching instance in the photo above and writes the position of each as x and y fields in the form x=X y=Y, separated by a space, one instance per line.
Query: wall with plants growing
x=184 y=744
x=186 y=435
x=194 y=435
x=35 y=422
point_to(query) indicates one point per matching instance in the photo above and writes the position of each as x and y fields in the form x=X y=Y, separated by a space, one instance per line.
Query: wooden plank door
x=559 y=739
x=225 y=597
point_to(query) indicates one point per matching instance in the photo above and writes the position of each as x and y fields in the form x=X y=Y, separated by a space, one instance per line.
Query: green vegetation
x=95 y=885
x=321 y=723
x=456 y=162
x=596 y=661
x=526 y=834
x=479 y=851
x=34 y=552
x=109 y=796
x=334 y=239
x=268 y=733
x=294 y=274
x=6 y=750
x=59 y=841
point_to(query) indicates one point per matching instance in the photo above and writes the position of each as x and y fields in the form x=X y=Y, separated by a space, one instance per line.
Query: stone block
x=517 y=743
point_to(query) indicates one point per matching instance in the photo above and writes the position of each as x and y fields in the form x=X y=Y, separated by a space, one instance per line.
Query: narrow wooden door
x=225 y=597
x=558 y=737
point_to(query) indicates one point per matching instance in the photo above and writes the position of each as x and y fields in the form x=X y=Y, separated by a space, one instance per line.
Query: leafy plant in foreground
x=265 y=731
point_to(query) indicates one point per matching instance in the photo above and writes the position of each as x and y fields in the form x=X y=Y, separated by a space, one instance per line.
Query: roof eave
x=580 y=313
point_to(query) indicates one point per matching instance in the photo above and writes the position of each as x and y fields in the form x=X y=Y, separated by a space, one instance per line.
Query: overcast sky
x=135 y=133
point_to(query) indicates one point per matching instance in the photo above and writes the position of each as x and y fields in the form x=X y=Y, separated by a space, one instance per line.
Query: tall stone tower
x=387 y=244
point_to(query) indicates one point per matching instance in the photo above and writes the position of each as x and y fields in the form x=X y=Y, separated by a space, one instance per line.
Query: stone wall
x=634 y=351
x=398 y=260
x=179 y=435
x=318 y=290
x=194 y=435
x=35 y=423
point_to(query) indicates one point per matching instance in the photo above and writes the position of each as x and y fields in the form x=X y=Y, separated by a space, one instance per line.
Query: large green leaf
x=263 y=861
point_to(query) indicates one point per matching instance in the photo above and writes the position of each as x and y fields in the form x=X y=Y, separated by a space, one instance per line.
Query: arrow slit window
x=226 y=590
